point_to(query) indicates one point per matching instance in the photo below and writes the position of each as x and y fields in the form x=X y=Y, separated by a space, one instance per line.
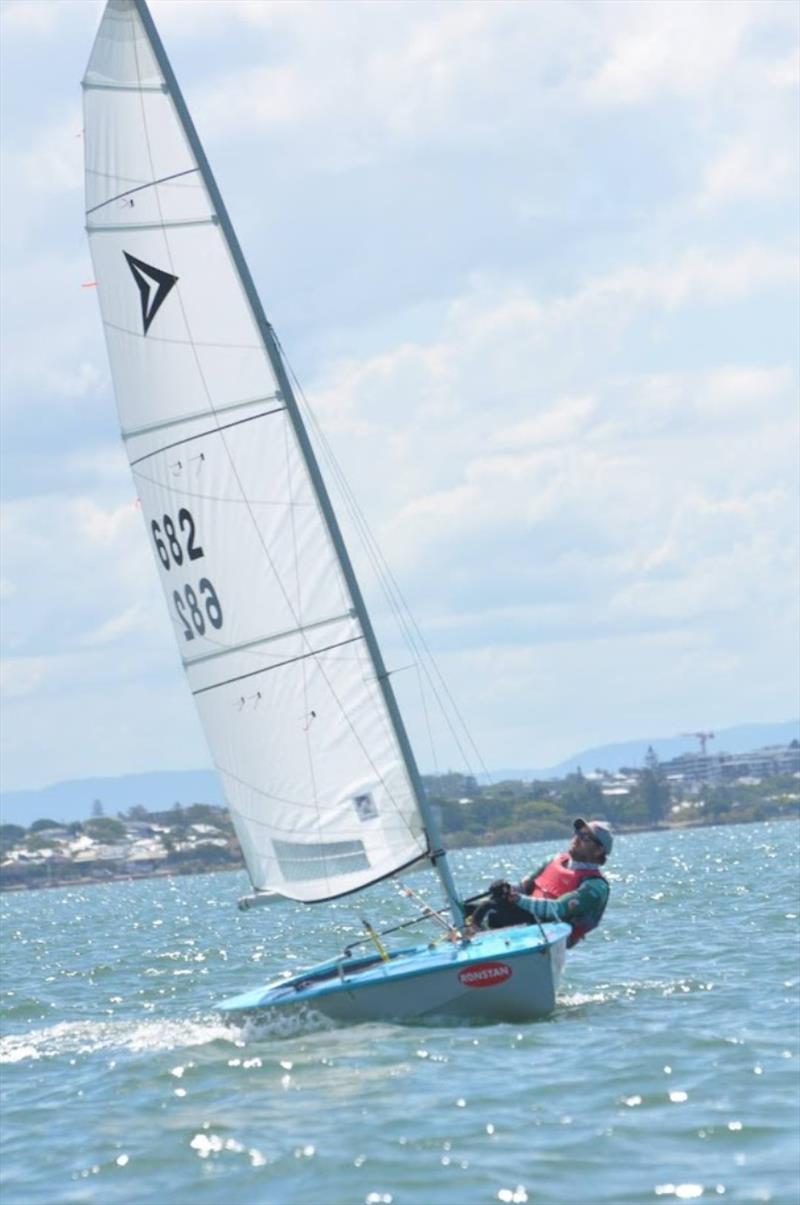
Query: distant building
x=719 y=767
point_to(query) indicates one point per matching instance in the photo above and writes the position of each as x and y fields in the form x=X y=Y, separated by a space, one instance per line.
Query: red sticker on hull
x=485 y=974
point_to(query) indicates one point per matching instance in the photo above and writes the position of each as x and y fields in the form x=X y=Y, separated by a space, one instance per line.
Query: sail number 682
x=168 y=543
x=192 y=614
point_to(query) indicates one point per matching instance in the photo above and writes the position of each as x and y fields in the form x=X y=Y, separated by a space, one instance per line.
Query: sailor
x=570 y=888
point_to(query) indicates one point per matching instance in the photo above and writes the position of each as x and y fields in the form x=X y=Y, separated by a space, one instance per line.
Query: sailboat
x=275 y=640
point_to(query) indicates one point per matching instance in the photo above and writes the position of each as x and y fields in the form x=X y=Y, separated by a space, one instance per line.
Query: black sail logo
x=153 y=283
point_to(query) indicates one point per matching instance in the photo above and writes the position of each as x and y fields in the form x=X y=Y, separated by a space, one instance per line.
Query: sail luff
x=435 y=850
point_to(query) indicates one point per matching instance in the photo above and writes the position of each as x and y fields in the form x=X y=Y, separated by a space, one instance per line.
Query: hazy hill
x=741 y=739
x=74 y=800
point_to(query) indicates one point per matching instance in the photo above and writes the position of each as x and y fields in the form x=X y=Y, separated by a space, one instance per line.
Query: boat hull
x=508 y=975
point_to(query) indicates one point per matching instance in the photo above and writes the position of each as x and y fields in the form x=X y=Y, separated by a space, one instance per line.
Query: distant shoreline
x=111 y=876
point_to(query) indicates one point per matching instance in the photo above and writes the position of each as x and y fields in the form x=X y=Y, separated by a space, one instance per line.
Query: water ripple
x=668 y=1071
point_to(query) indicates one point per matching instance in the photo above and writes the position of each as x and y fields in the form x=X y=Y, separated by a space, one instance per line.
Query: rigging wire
x=398 y=605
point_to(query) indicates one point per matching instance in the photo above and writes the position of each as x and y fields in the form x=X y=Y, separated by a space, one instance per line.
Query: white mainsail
x=274 y=639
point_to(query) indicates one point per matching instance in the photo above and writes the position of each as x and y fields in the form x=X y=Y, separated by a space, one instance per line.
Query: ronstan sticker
x=485 y=974
x=153 y=283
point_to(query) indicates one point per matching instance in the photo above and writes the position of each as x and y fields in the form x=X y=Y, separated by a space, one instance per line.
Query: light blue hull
x=506 y=975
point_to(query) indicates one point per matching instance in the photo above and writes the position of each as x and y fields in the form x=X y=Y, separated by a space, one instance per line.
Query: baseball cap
x=599 y=830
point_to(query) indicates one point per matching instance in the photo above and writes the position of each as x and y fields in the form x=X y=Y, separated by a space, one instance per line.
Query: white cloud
x=102 y=526
x=748 y=168
x=132 y=620
x=497 y=342
x=73 y=563
x=785 y=72
x=53 y=338
x=681 y=49
x=696 y=275
x=23 y=19
x=52 y=162
x=22 y=676
x=745 y=391
x=641 y=501
x=357 y=81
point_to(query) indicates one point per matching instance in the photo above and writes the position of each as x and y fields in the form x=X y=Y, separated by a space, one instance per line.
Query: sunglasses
x=586 y=834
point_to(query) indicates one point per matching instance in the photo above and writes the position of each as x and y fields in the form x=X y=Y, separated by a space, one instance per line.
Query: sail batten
x=129 y=227
x=321 y=623
x=191 y=171
x=93 y=87
x=311 y=751
x=265 y=669
x=136 y=432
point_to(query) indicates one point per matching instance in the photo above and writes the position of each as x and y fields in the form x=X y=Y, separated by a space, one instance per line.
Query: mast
x=436 y=852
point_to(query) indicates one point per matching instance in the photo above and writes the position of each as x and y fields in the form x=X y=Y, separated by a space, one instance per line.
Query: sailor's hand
x=499 y=890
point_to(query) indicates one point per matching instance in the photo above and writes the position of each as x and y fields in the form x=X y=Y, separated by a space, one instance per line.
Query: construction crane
x=703 y=737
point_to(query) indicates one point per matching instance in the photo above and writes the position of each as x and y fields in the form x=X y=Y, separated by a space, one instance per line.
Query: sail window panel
x=268 y=870
x=134 y=139
x=287 y=740
x=122 y=54
x=311 y=862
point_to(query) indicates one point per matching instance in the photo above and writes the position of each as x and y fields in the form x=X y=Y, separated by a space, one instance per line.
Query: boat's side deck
x=412 y=962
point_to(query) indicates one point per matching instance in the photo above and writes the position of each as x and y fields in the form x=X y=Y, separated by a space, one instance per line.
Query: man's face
x=584 y=846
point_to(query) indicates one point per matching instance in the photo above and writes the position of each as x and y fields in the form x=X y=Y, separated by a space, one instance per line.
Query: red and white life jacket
x=557 y=879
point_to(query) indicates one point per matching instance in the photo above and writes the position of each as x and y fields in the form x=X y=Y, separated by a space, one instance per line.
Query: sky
x=536 y=267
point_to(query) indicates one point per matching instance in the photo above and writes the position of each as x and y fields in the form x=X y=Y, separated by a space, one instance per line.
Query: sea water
x=668 y=1071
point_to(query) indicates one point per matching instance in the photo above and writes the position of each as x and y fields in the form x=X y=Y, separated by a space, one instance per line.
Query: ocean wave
x=89 y=1037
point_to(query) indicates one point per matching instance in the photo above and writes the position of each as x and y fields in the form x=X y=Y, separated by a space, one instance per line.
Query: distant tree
x=206 y=813
x=75 y=828
x=719 y=801
x=97 y=809
x=38 y=825
x=36 y=841
x=11 y=833
x=176 y=819
x=541 y=789
x=452 y=816
x=545 y=809
x=653 y=787
x=105 y=828
x=137 y=812
x=579 y=795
